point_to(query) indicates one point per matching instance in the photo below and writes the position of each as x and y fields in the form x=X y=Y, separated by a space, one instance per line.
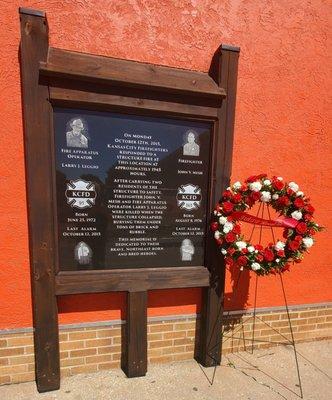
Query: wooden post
x=135 y=354
x=37 y=124
x=223 y=70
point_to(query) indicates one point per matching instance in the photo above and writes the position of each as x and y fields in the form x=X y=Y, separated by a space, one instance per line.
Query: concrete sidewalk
x=267 y=374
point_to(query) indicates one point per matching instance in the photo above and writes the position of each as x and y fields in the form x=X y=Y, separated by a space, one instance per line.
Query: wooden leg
x=209 y=354
x=37 y=120
x=135 y=353
x=209 y=347
x=46 y=339
x=223 y=70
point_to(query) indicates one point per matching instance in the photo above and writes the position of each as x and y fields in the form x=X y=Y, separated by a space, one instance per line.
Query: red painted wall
x=281 y=126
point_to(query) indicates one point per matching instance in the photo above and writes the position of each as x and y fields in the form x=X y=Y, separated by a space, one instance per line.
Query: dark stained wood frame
x=56 y=77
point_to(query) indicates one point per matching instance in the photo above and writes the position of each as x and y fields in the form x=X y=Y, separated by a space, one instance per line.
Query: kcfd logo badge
x=81 y=194
x=189 y=197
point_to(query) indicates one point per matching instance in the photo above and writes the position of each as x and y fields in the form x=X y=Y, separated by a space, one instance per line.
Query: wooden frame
x=55 y=77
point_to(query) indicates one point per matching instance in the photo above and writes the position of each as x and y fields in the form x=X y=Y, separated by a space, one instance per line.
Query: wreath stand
x=255 y=317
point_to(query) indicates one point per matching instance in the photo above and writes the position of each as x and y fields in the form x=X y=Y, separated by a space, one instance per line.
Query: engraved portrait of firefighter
x=77 y=135
x=187 y=250
x=83 y=253
x=191 y=148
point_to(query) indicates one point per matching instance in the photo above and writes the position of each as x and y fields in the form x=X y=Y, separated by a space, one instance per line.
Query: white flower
x=228 y=226
x=222 y=220
x=299 y=193
x=217 y=235
x=223 y=251
x=241 y=268
x=256 y=251
x=275 y=196
x=229 y=188
x=267 y=182
x=215 y=212
x=294 y=186
x=255 y=266
x=237 y=185
x=266 y=197
x=307 y=241
x=280 y=178
x=251 y=249
x=279 y=245
x=296 y=215
x=255 y=186
x=241 y=245
x=277 y=260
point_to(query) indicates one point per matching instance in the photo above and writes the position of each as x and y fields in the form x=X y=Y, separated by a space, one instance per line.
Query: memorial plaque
x=131 y=191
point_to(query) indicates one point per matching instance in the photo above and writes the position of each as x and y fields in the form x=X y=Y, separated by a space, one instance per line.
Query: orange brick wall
x=85 y=349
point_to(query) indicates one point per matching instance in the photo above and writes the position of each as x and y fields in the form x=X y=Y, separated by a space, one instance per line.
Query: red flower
x=214 y=226
x=299 y=203
x=268 y=255
x=230 y=237
x=230 y=218
x=285 y=268
x=227 y=206
x=255 y=196
x=229 y=261
x=250 y=201
x=251 y=178
x=301 y=227
x=285 y=233
x=258 y=247
x=219 y=241
x=231 y=251
x=290 y=191
x=283 y=201
x=277 y=184
x=242 y=261
x=227 y=194
x=244 y=251
x=308 y=217
x=281 y=253
x=309 y=208
x=218 y=208
x=312 y=232
x=294 y=245
x=237 y=198
x=243 y=188
x=261 y=176
x=237 y=229
x=259 y=258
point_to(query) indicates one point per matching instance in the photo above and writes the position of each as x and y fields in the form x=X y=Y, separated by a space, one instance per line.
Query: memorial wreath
x=295 y=216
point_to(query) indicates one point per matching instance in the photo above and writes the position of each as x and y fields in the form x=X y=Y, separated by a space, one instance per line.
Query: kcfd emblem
x=189 y=197
x=81 y=194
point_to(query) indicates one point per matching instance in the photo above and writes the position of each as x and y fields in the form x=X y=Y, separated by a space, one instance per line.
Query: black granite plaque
x=131 y=190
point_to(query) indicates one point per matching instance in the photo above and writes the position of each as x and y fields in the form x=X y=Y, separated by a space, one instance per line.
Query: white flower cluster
x=308 y=242
x=296 y=215
x=241 y=245
x=222 y=220
x=265 y=197
x=237 y=185
x=293 y=186
x=279 y=245
x=228 y=226
x=255 y=186
x=255 y=266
